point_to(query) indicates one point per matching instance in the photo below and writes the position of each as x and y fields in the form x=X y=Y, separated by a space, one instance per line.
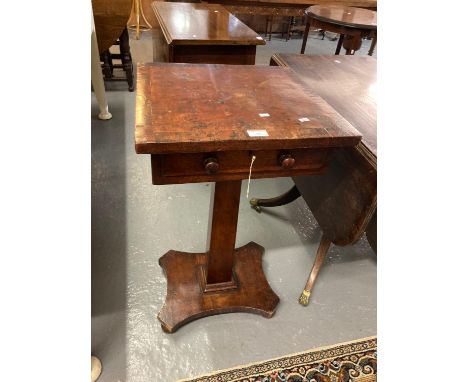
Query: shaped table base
x=189 y=297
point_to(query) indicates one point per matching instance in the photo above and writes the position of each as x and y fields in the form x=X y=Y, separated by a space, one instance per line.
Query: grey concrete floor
x=134 y=223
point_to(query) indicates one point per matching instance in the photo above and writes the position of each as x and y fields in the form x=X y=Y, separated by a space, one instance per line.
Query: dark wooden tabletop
x=347 y=83
x=204 y=108
x=194 y=23
x=343 y=15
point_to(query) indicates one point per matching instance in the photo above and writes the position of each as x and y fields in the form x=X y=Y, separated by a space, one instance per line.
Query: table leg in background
x=306 y=35
x=96 y=76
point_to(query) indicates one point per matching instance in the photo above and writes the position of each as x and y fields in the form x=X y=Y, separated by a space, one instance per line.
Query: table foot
x=318 y=262
x=304 y=298
x=189 y=297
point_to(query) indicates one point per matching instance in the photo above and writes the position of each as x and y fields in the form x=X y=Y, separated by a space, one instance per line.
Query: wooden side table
x=353 y=24
x=202 y=33
x=219 y=123
x=343 y=199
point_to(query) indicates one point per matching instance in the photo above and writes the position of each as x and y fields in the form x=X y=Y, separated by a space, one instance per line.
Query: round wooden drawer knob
x=211 y=166
x=287 y=161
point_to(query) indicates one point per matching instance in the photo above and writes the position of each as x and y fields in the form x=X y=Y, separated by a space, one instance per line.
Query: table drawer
x=233 y=165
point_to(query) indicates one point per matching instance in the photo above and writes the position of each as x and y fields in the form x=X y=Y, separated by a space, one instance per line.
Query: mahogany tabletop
x=186 y=108
x=344 y=15
x=198 y=24
x=347 y=83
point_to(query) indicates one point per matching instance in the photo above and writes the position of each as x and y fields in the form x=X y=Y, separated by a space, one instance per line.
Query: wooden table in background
x=343 y=199
x=204 y=123
x=110 y=19
x=283 y=8
x=202 y=33
x=251 y=10
x=353 y=24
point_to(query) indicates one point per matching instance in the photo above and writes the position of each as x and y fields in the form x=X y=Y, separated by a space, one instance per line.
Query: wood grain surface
x=110 y=18
x=199 y=24
x=347 y=83
x=344 y=198
x=186 y=302
x=184 y=108
x=222 y=230
x=235 y=165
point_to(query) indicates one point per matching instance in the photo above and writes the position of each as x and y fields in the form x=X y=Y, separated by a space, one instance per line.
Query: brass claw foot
x=254 y=205
x=304 y=299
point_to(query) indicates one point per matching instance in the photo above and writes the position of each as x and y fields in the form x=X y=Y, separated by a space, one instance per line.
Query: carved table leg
x=281 y=200
x=306 y=35
x=339 y=45
x=96 y=78
x=222 y=280
x=319 y=258
x=126 y=58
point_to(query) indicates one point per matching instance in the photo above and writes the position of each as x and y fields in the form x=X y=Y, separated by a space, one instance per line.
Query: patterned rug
x=354 y=361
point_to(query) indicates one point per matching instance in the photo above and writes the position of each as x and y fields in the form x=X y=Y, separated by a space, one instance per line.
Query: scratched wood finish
x=344 y=198
x=183 y=108
x=110 y=18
